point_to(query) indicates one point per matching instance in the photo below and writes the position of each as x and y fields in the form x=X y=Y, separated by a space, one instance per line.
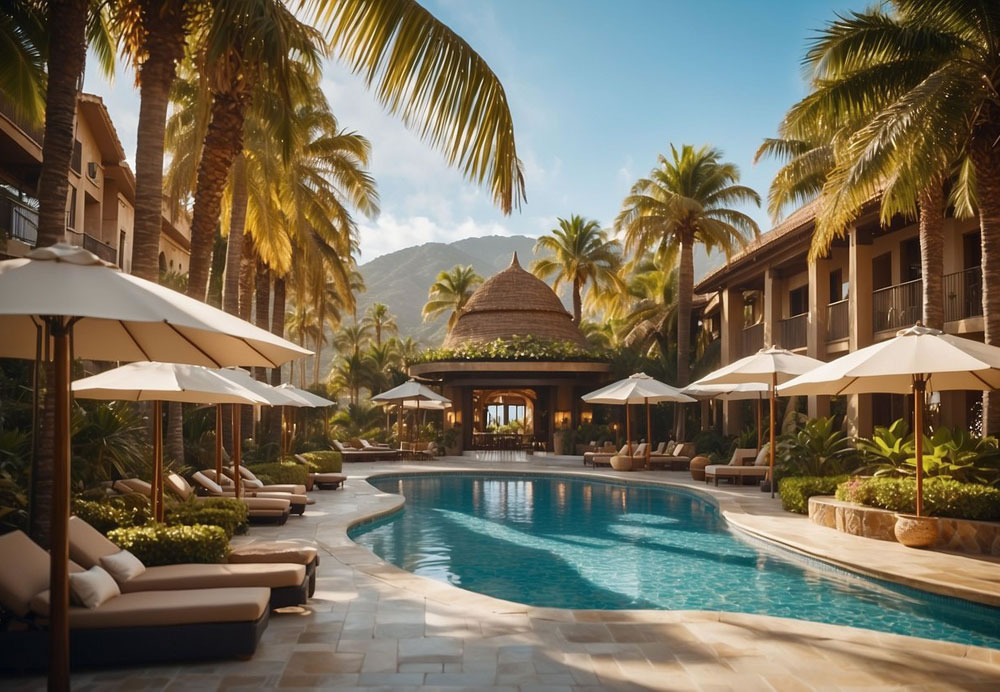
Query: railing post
x=732 y=339
x=859 y=408
x=816 y=329
x=772 y=308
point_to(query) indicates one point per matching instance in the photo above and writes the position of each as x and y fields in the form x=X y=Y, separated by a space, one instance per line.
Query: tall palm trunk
x=234 y=247
x=321 y=328
x=262 y=307
x=278 y=321
x=685 y=291
x=173 y=442
x=986 y=159
x=67 y=19
x=577 y=301
x=932 y=206
x=223 y=141
x=164 y=26
x=248 y=267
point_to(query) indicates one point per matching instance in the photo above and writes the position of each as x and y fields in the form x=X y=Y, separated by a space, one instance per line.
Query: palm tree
x=581 y=252
x=380 y=362
x=684 y=201
x=359 y=419
x=23 y=44
x=650 y=307
x=349 y=372
x=379 y=319
x=450 y=292
x=806 y=163
x=352 y=338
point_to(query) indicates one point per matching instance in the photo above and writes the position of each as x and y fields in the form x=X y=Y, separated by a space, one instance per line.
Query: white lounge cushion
x=87 y=545
x=764 y=456
x=123 y=566
x=93 y=587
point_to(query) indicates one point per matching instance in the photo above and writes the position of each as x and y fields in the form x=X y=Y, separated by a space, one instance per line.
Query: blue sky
x=597 y=90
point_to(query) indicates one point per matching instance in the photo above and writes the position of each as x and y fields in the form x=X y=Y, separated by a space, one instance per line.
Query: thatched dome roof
x=513 y=303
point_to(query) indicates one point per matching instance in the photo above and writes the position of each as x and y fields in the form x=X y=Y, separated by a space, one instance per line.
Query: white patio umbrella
x=770 y=366
x=63 y=298
x=639 y=388
x=410 y=391
x=916 y=360
x=309 y=400
x=159 y=382
x=747 y=391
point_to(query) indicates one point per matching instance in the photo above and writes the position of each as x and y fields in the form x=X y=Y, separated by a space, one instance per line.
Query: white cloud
x=390 y=233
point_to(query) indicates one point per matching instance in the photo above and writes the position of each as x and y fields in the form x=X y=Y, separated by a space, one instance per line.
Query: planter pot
x=309 y=482
x=916 y=532
x=621 y=463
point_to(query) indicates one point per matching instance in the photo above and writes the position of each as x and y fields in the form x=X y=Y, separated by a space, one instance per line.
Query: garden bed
x=959 y=535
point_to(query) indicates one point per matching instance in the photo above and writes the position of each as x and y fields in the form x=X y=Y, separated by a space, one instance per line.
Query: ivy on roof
x=517 y=348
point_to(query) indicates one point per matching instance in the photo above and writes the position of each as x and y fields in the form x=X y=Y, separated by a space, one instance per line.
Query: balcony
x=963 y=294
x=838 y=320
x=792 y=331
x=752 y=339
x=898 y=306
x=100 y=248
x=18 y=220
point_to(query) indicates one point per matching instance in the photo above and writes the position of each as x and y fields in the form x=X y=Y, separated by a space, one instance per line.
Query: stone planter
x=916 y=532
x=620 y=463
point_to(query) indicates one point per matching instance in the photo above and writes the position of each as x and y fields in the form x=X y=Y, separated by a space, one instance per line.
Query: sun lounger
x=254 y=484
x=737 y=471
x=323 y=480
x=298 y=502
x=127 y=629
x=270 y=552
x=604 y=458
x=351 y=454
x=288 y=582
x=679 y=459
x=380 y=446
x=260 y=510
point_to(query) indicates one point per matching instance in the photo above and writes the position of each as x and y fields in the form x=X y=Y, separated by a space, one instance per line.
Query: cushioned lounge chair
x=270 y=552
x=298 y=502
x=350 y=454
x=129 y=629
x=255 y=485
x=260 y=510
x=604 y=458
x=737 y=470
x=323 y=480
x=289 y=583
x=679 y=459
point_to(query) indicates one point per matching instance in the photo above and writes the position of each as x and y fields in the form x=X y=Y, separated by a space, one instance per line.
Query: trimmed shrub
x=110 y=514
x=942 y=497
x=281 y=472
x=158 y=544
x=226 y=513
x=795 y=491
x=323 y=462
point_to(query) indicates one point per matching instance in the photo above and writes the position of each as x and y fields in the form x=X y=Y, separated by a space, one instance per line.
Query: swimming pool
x=579 y=543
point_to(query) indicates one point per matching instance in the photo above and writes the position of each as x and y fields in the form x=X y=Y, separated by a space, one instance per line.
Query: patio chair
x=251 y=482
x=126 y=629
x=298 y=502
x=379 y=446
x=677 y=458
x=739 y=472
x=322 y=480
x=350 y=454
x=260 y=510
x=603 y=458
x=288 y=583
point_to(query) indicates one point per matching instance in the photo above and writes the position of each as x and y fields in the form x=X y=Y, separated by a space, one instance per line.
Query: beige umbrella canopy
x=410 y=392
x=62 y=294
x=917 y=359
x=747 y=391
x=770 y=366
x=159 y=382
x=639 y=388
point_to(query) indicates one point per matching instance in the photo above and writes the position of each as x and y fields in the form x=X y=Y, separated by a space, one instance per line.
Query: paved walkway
x=374 y=626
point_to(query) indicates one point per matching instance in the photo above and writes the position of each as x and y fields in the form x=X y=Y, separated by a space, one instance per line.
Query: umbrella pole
x=649 y=432
x=218 y=440
x=759 y=421
x=628 y=431
x=237 y=444
x=770 y=451
x=919 y=385
x=59 y=538
x=158 y=460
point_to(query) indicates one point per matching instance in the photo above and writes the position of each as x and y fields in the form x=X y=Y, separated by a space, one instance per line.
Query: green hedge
x=516 y=348
x=281 y=472
x=158 y=544
x=323 y=462
x=230 y=514
x=795 y=491
x=942 y=497
x=110 y=514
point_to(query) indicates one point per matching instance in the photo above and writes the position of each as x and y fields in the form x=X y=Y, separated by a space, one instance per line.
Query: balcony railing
x=838 y=320
x=100 y=248
x=752 y=339
x=898 y=306
x=793 y=331
x=18 y=220
x=963 y=294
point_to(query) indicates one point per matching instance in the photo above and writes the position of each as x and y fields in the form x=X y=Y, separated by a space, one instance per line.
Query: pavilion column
x=732 y=335
x=816 y=329
x=859 y=406
x=772 y=308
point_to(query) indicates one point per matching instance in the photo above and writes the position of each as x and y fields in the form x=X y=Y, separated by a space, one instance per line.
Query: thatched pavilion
x=514 y=359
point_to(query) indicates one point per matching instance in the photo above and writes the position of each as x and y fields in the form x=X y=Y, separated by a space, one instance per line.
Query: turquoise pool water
x=568 y=543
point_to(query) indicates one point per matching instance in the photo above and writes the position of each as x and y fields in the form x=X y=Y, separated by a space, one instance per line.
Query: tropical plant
x=358 y=419
x=581 y=253
x=349 y=372
x=686 y=201
x=380 y=320
x=817 y=448
x=516 y=348
x=941 y=497
x=795 y=491
x=23 y=48
x=110 y=440
x=450 y=292
x=806 y=163
x=887 y=450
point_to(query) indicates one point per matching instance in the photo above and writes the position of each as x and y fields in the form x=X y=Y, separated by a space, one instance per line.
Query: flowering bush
x=517 y=348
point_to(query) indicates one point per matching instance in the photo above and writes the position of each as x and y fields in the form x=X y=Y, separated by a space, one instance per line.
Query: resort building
x=525 y=401
x=100 y=205
x=865 y=289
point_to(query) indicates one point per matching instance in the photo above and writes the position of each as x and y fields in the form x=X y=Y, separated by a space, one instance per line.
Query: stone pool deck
x=374 y=626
